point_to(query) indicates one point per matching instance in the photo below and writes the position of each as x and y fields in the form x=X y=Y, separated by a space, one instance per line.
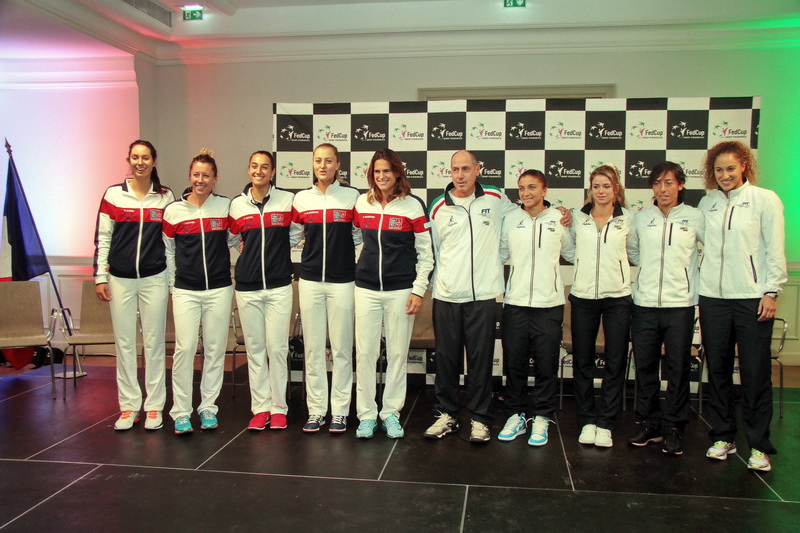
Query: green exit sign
x=513 y=3
x=193 y=14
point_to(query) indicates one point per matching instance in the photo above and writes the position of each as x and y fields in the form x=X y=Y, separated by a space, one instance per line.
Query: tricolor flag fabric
x=22 y=255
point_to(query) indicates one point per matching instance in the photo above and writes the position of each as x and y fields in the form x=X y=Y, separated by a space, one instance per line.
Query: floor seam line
x=71 y=436
x=464 y=509
x=219 y=450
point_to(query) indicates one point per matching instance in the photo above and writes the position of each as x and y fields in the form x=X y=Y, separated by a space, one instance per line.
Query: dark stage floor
x=64 y=468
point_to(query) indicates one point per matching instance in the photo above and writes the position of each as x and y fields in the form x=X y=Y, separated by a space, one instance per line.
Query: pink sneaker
x=278 y=421
x=259 y=421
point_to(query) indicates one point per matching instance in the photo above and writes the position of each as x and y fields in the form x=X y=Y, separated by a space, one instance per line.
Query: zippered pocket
x=753 y=268
x=686 y=274
x=621 y=272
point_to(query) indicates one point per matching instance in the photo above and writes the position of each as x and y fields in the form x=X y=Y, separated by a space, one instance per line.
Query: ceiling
x=278 y=30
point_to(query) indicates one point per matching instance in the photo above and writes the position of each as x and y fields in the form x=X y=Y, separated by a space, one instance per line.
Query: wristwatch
x=773 y=295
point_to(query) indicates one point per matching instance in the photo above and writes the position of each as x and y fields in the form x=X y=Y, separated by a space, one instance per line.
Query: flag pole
x=78 y=369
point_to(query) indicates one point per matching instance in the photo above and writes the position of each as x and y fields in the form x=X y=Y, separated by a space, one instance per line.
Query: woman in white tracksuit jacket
x=391 y=278
x=663 y=312
x=327 y=280
x=130 y=270
x=741 y=275
x=532 y=242
x=605 y=243
x=196 y=238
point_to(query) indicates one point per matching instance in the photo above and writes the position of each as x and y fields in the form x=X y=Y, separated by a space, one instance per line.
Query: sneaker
x=366 y=428
x=259 y=421
x=672 y=443
x=602 y=438
x=759 y=461
x=126 y=420
x=444 y=424
x=392 y=427
x=588 y=434
x=720 y=450
x=278 y=421
x=183 y=425
x=208 y=420
x=338 y=424
x=539 y=428
x=515 y=426
x=479 y=432
x=313 y=423
x=154 y=420
x=647 y=435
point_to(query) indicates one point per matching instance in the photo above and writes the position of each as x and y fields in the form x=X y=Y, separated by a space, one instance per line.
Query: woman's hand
x=566 y=216
x=413 y=305
x=766 y=308
x=102 y=292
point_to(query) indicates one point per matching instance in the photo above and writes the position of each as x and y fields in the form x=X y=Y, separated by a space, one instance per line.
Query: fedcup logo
x=412 y=173
x=599 y=131
x=361 y=170
x=290 y=133
x=689 y=171
x=559 y=170
x=487 y=172
x=520 y=131
x=480 y=131
x=327 y=134
x=641 y=131
x=442 y=170
x=363 y=133
x=559 y=131
x=639 y=170
x=441 y=132
x=723 y=130
x=517 y=169
x=681 y=130
x=402 y=133
x=288 y=171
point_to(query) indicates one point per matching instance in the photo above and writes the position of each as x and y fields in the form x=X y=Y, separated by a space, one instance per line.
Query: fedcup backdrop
x=564 y=138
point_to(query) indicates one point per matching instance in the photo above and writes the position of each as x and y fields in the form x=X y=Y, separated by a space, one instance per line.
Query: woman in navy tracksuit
x=327 y=275
x=391 y=278
x=130 y=271
x=741 y=275
x=532 y=242
x=605 y=241
x=197 y=240
x=262 y=217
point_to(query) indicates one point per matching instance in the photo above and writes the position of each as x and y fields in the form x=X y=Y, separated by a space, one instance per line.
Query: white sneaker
x=759 y=461
x=588 y=434
x=515 y=426
x=603 y=438
x=444 y=424
x=479 y=433
x=154 y=420
x=539 y=429
x=126 y=420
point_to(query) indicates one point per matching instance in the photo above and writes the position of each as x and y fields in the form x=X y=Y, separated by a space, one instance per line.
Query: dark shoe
x=672 y=443
x=646 y=436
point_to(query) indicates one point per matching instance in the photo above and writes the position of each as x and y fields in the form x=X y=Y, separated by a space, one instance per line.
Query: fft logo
x=641 y=131
x=480 y=131
x=289 y=133
x=599 y=131
x=441 y=132
x=327 y=134
x=520 y=131
x=363 y=133
x=559 y=131
x=681 y=130
x=559 y=170
x=724 y=131
x=402 y=133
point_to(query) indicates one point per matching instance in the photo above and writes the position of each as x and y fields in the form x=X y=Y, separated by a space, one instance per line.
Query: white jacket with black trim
x=603 y=256
x=466 y=245
x=744 y=255
x=532 y=247
x=668 y=259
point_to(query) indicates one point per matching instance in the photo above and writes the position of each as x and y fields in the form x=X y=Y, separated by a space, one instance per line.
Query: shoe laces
x=338 y=419
x=758 y=454
x=126 y=414
x=540 y=424
x=479 y=426
x=721 y=444
x=152 y=415
x=182 y=420
x=315 y=419
x=392 y=422
x=442 y=419
x=207 y=415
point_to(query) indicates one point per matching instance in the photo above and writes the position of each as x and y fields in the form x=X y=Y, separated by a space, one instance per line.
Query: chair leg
x=52 y=370
x=780 y=390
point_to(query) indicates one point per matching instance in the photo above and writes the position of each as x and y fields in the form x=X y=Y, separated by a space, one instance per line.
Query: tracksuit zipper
x=663 y=251
x=380 y=251
x=725 y=221
x=533 y=258
x=203 y=245
x=139 y=237
x=471 y=250
x=324 y=236
x=263 y=236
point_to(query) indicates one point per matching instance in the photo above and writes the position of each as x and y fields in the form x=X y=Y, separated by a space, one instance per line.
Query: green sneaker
x=208 y=420
x=392 y=427
x=183 y=425
x=366 y=429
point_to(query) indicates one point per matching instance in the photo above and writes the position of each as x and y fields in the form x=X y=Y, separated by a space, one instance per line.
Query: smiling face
x=141 y=161
x=261 y=171
x=326 y=164
x=666 y=189
x=531 y=192
x=465 y=171
x=602 y=190
x=385 y=178
x=729 y=172
x=202 y=180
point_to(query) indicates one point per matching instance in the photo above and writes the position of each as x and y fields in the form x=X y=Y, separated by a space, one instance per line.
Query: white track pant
x=213 y=309
x=331 y=305
x=149 y=295
x=265 y=317
x=373 y=309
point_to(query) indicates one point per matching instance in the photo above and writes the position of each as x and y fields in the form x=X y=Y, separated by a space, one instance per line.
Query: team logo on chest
x=276 y=219
x=339 y=216
x=395 y=223
x=154 y=215
x=215 y=223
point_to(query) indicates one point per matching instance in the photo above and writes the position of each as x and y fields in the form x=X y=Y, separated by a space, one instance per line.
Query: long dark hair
x=154 y=179
x=401 y=186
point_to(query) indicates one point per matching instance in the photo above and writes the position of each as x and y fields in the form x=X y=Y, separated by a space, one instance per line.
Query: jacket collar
x=587 y=210
x=450 y=186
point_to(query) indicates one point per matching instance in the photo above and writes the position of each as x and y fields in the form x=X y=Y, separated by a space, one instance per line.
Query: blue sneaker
x=539 y=428
x=313 y=423
x=183 y=425
x=208 y=420
x=366 y=429
x=392 y=427
x=515 y=426
x=338 y=424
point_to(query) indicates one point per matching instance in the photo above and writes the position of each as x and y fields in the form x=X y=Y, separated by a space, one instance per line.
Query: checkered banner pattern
x=564 y=138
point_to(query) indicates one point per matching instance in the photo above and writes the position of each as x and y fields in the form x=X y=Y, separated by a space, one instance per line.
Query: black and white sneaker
x=646 y=436
x=672 y=443
x=313 y=423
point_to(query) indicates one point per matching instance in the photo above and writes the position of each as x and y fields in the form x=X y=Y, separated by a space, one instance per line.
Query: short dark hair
x=668 y=166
